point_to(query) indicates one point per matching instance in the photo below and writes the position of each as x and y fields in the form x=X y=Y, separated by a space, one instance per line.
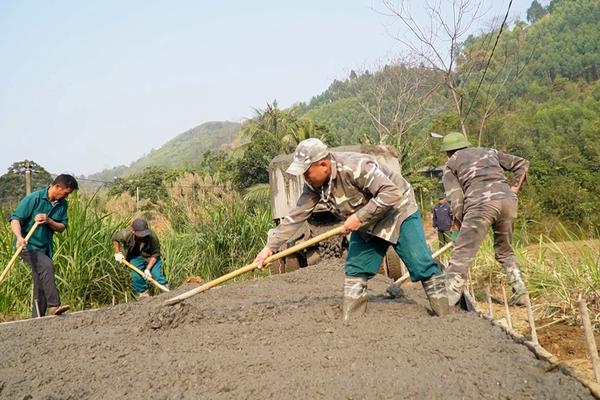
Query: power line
x=489 y=59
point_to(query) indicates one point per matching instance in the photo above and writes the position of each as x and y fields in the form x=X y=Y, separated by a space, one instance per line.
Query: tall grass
x=556 y=273
x=206 y=229
x=15 y=290
x=86 y=273
x=214 y=231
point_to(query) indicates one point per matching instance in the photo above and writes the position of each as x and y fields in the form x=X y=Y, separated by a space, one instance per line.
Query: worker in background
x=379 y=209
x=48 y=207
x=442 y=221
x=142 y=249
x=480 y=196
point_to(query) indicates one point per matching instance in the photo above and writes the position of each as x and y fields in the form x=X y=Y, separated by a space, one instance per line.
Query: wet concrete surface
x=279 y=337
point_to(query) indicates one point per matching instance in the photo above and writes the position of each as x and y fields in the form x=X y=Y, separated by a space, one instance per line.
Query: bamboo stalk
x=250 y=267
x=506 y=309
x=17 y=252
x=589 y=337
x=534 y=337
x=488 y=297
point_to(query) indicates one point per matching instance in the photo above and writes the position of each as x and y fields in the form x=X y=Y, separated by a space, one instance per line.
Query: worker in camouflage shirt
x=481 y=197
x=378 y=207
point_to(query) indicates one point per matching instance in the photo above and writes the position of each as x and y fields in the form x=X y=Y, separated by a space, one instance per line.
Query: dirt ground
x=279 y=337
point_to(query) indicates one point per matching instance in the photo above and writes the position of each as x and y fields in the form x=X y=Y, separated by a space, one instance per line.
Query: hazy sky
x=88 y=85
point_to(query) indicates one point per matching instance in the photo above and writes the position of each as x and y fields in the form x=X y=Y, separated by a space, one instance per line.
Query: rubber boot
x=455 y=285
x=519 y=290
x=355 y=298
x=435 y=289
x=58 y=310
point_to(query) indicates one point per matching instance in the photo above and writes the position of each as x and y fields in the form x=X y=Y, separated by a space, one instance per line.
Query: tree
x=283 y=126
x=535 y=12
x=150 y=183
x=251 y=169
x=398 y=102
x=489 y=82
x=438 y=44
x=12 y=184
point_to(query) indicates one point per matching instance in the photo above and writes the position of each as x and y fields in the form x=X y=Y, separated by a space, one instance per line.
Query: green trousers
x=365 y=256
x=138 y=282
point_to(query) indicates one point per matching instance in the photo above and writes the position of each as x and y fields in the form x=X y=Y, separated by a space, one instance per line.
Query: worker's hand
x=21 y=241
x=260 y=258
x=456 y=224
x=352 y=223
x=514 y=189
x=119 y=257
x=41 y=218
x=147 y=274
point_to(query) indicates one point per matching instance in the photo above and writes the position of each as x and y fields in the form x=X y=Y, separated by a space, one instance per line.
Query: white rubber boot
x=355 y=298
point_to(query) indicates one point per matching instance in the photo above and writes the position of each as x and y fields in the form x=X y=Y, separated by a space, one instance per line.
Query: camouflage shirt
x=381 y=198
x=475 y=175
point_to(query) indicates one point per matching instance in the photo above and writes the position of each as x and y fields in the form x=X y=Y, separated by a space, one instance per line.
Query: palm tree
x=284 y=126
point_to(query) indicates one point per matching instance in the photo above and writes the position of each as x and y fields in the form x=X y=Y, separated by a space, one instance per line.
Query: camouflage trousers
x=497 y=214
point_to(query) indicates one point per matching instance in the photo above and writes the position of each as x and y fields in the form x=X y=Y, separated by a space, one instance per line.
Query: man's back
x=480 y=173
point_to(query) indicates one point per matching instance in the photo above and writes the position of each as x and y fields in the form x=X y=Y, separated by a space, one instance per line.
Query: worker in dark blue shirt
x=442 y=221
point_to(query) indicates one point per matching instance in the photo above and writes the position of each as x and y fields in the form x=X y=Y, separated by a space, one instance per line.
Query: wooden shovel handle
x=17 y=252
x=301 y=246
x=405 y=277
x=151 y=280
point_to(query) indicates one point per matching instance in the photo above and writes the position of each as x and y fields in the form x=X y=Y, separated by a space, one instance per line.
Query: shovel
x=336 y=231
x=150 y=279
x=17 y=252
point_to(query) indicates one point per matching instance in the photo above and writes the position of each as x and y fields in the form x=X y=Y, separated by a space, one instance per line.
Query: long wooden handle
x=150 y=279
x=17 y=252
x=336 y=231
x=441 y=250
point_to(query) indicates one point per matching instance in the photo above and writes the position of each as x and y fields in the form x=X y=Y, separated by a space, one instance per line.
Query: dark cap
x=140 y=227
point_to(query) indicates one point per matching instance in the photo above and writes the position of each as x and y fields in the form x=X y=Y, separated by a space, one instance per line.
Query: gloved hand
x=147 y=274
x=119 y=257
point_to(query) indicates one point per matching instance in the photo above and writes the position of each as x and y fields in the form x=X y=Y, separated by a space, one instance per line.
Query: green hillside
x=531 y=89
x=185 y=150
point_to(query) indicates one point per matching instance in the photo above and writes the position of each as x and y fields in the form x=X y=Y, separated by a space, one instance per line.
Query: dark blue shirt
x=442 y=217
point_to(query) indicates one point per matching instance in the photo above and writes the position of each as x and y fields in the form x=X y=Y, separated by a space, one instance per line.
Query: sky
x=89 y=85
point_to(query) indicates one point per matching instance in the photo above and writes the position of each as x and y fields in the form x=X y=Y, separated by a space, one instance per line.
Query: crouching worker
x=142 y=249
x=379 y=208
x=47 y=207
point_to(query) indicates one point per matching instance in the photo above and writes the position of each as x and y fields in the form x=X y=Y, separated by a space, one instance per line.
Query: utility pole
x=137 y=199
x=27 y=177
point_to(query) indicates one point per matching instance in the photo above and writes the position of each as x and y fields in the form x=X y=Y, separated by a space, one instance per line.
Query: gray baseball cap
x=307 y=152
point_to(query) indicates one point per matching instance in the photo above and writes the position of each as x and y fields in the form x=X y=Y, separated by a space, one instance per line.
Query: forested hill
x=537 y=97
x=531 y=89
x=185 y=150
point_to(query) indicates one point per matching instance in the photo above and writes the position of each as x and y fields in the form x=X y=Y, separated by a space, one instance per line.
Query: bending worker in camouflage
x=379 y=209
x=481 y=198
